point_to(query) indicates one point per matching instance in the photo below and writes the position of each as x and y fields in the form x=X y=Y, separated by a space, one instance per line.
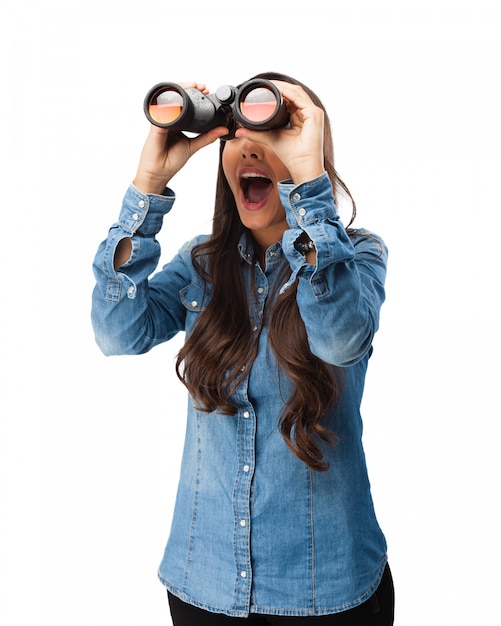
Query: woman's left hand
x=301 y=146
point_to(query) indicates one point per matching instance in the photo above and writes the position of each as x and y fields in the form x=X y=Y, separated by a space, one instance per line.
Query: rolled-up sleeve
x=125 y=317
x=340 y=297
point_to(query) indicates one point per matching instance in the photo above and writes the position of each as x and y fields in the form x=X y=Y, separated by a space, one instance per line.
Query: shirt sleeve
x=126 y=316
x=340 y=297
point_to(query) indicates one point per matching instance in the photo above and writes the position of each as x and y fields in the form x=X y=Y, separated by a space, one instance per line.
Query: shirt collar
x=246 y=248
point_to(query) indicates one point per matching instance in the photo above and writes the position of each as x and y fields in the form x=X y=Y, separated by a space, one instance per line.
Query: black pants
x=376 y=611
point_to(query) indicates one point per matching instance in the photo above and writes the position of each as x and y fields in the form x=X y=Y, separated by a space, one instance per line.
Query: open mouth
x=255 y=187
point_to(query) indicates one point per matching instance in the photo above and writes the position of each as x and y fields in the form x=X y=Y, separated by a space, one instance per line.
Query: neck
x=265 y=238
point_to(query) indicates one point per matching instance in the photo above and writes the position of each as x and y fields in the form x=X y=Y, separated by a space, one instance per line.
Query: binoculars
x=256 y=104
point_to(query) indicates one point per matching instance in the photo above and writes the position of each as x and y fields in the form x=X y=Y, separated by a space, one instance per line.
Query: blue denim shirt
x=254 y=529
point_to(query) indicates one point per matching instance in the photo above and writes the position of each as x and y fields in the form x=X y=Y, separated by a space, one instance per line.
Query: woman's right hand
x=166 y=152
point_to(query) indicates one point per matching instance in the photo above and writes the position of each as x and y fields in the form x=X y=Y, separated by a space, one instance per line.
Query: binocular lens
x=166 y=106
x=259 y=104
x=256 y=104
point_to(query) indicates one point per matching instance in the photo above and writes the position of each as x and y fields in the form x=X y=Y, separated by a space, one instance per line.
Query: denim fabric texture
x=254 y=529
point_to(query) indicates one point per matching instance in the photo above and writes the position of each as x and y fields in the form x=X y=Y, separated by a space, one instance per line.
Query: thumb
x=207 y=138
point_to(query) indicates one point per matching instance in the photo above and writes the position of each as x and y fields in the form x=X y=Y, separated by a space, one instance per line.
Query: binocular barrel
x=256 y=104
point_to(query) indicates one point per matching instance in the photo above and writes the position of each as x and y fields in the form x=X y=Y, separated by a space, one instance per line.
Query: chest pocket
x=195 y=297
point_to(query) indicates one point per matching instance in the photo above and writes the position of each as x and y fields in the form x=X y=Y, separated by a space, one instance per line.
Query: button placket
x=247 y=432
x=262 y=291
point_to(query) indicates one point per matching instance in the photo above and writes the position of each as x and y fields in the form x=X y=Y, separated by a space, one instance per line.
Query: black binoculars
x=256 y=104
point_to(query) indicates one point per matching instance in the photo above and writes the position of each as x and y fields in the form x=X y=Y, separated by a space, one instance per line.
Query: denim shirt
x=255 y=530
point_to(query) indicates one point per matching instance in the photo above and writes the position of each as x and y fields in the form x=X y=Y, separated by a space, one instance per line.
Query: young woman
x=274 y=521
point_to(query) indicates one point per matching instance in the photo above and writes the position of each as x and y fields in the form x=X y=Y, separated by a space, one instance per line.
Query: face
x=253 y=172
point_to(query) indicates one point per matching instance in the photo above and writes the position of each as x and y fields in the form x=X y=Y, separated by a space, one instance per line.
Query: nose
x=249 y=149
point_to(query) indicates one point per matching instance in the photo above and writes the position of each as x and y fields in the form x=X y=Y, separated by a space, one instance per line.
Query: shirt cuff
x=143 y=213
x=308 y=202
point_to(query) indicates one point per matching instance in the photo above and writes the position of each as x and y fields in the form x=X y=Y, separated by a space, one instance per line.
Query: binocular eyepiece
x=256 y=104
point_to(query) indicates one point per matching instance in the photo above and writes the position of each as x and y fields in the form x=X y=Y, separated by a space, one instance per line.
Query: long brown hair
x=222 y=345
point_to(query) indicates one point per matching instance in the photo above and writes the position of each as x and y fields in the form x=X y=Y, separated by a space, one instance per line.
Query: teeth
x=253 y=175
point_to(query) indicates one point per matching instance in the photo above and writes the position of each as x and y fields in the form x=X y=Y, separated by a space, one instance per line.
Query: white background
x=90 y=446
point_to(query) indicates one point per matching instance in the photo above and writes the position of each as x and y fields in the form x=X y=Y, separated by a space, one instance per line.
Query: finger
x=207 y=138
x=157 y=137
x=292 y=92
x=193 y=85
x=295 y=97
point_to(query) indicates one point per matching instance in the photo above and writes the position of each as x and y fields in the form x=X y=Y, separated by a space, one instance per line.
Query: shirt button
x=260 y=290
x=296 y=196
x=243 y=574
x=243 y=523
x=302 y=211
x=246 y=468
x=131 y=292
x=246 y=414
x=254 y=328
x=273 y=253
x=141 y=204
x=194 y=303
x=135 y=216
